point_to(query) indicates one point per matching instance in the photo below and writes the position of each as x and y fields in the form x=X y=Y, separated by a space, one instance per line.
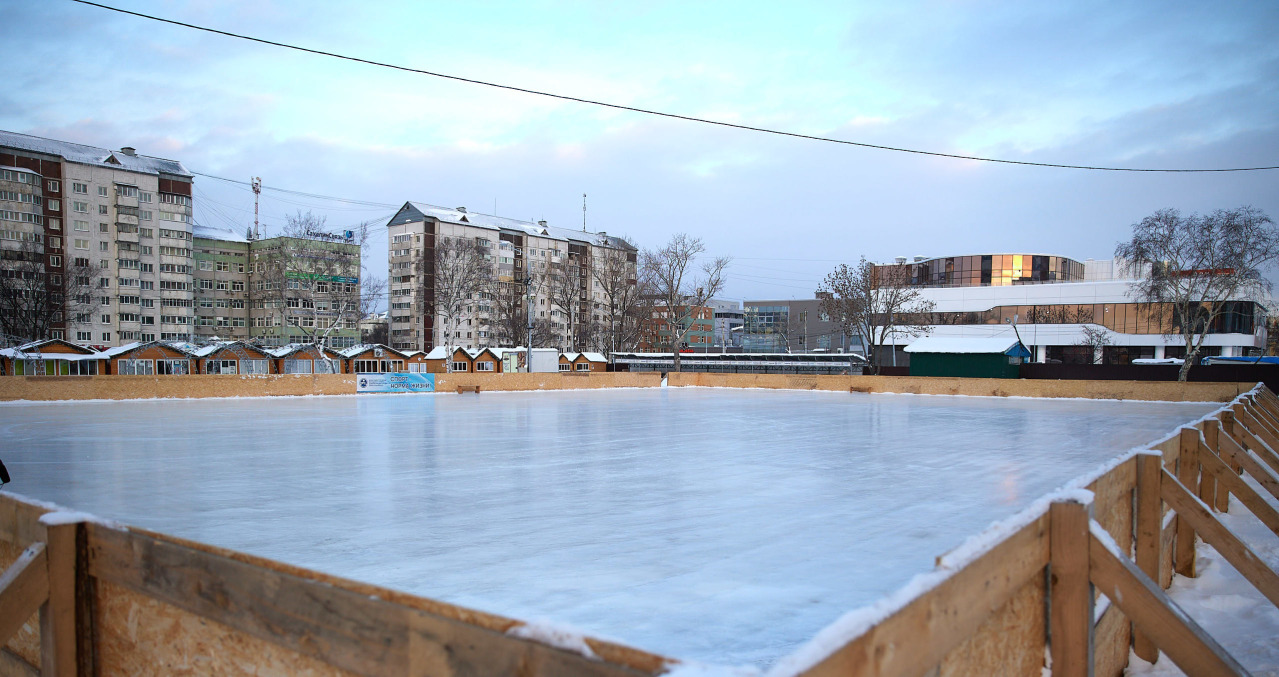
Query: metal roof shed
x=967 y=357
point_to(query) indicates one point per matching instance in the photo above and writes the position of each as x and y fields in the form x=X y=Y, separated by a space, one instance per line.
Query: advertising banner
x=395 y=383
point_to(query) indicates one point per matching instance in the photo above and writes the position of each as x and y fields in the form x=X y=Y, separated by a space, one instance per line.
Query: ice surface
x=723 y=526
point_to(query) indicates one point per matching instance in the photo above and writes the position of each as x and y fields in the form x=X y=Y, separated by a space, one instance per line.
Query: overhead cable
x=646 y=111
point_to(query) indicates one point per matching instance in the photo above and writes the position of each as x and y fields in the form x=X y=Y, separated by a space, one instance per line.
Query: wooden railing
x=80 y=597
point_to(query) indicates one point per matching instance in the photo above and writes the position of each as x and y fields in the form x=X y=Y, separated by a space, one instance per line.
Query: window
x=104 y=246
x=583 y=366
x=55 y=223
x=221 y=367
x=146 y=232
x=366 y=367
x=295 y=366
x=102 y=227
x=144 y=197
x=54 y=186
x=102 y=210
x=484 y=366
x=126 y=191
x=175 y=367
x=77 y=206
x=81 y=225
x=106 y=337
x=81 y=188
x=135 y=367
x=144 y=214
x=55 y=261
x=564 y=366
x=81 y=244
x=102 y=191
x=206 y=284
x=106 y=319
x=460 y=366
x=84 y=336
x=148 y=284
x=237 y=286
x=253 y=366
x=206 y=265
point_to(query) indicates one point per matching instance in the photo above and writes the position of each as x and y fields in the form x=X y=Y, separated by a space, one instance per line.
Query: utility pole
x=257 y=190
x=528 y=357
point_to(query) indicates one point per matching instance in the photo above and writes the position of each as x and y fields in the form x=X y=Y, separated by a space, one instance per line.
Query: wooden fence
x=1082 y=575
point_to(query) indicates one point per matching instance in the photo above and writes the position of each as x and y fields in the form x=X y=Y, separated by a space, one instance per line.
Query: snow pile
x=554 y=634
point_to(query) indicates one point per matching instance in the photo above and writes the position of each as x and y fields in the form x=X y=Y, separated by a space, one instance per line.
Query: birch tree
x=461 y=269
x=33 y=300
x=1191 y=266
x=616 y=275
x=681 y=285
x=877 y=303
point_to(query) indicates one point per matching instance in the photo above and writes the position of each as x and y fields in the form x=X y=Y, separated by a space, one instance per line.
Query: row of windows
x=1237 y=317
x=14 y=196
x=20 y=176
x=21 y=217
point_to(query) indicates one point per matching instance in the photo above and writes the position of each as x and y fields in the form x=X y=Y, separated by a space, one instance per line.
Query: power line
x=646 y=111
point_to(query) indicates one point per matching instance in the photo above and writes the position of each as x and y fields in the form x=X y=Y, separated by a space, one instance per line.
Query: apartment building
x=526 y=259
x=696 y=324
x=796 y=325
x=127 y=217
x=276 y=291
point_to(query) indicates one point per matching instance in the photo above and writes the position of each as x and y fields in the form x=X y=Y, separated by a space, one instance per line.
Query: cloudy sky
x=1150 y=85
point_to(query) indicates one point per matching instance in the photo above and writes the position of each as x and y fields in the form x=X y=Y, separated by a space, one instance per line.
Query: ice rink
x=726 y=526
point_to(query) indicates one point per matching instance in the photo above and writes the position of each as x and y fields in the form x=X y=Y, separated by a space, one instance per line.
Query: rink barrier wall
x=126 y=600
x=211 y=385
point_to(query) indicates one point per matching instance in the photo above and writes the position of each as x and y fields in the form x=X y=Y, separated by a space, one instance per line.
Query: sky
x=1137 y=84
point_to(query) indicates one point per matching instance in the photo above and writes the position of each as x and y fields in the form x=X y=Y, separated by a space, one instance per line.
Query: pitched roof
x=969 y=346
x=497 y=223
x=92 y=155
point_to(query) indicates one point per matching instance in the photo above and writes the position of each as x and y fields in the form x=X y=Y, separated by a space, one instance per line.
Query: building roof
x=92 y=155
x=416 y=211
x=364 y=347
x=215 y=233
x=968 y=346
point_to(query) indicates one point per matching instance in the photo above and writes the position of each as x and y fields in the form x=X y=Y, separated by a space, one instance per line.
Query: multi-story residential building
x=548 y=272
x=126 y=216
x=276 y=291
x=1054 y=304
x=697 y=324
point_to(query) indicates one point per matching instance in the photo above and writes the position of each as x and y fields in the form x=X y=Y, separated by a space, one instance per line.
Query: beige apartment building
x=522 y=257
x=126 y=216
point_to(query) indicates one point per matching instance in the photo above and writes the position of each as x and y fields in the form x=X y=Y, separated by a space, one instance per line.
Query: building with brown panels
x=585 y=362
x=656 y=334
x=50 y=357
x=306 y=358
x=157 y=358
x=119 y=216
x=374 y=359
x=232 y=357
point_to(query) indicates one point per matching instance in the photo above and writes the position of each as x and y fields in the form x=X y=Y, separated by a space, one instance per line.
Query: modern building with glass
x=1056 y=306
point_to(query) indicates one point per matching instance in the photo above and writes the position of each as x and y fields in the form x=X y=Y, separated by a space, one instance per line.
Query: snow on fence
x=1080 y=573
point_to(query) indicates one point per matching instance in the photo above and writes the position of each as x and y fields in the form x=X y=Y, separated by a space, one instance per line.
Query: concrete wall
x=142 y=387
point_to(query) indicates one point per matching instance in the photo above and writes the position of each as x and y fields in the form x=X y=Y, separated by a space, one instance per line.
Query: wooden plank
x=1237 y=457
x=1262 y=445
x=1228 y=426
x=12 y=664
x=1218 y=536
x=1071 y=596
x=1149 y=517
x=1150 y=608
x=914 y=639
x=58 y=616
x=346 y=629
x=1183 y=556
x=1227 y=479
x=1264 y=415
x=24 y=587
x=1212 y=433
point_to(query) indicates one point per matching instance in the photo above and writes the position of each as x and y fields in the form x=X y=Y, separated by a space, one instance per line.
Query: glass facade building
x=992 y=270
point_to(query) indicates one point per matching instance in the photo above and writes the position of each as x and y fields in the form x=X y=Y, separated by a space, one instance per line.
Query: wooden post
x=1207 y=482
x=1228 y=427
x=1070 y=622
x=1183 y=554
x=1212 y=435
x=1218 y=536
x=58 y=615
x=1228 y=480
x=24 y=588
x=1236 y=456
x=1149 y=520
x=1175 y=633
x=1264 y=445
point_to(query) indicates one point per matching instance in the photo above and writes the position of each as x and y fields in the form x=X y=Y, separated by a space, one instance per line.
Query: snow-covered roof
x=92 y=155
x=569 y=356
x=357 y=349
x=118 y=350
x=215 y=233
x=595 y=357
x=490 y=222
x=965 y=345
x=286 y=350
x=438 y=353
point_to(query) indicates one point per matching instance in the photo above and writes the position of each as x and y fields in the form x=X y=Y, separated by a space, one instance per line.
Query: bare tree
x=459 y=272
x=33 y=300
x=1095 y=338
x=617 y=277
x=316 y=281
x=876 y=303
x=679 y=286
x=1192 y=266
x=564 y=289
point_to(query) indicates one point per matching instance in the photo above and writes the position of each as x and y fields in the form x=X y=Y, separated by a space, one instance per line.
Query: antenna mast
x=257 y=190
x=583 y=212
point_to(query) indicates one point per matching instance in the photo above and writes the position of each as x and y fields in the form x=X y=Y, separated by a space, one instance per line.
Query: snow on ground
x=722 y=526
x=1225 y=604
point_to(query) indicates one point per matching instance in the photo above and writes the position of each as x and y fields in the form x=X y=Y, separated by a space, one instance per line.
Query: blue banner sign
x=395 y=383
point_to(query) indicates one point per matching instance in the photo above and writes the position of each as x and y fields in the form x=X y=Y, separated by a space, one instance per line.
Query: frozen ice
x=723 y=526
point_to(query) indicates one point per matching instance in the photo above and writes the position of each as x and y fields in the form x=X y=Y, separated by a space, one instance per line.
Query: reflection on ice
x=719 y=525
